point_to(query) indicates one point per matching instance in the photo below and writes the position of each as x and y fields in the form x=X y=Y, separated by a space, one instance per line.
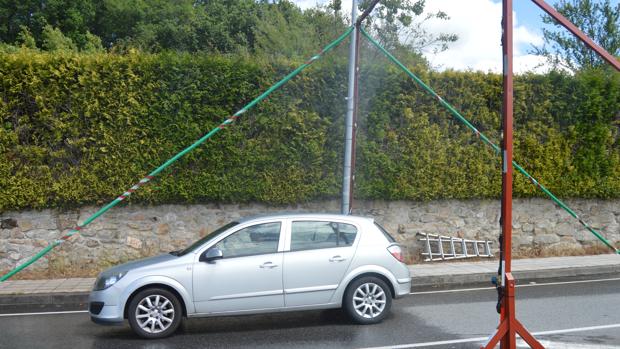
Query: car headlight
x=104 y=282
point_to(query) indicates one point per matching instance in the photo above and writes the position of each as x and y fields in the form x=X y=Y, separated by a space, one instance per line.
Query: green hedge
x=81 y=128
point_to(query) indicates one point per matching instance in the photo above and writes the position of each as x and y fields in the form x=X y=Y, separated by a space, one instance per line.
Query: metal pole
x=507 y=109
x=509 y=340
x=347 y=180
x=578 y=33
x=509 y=326
x=357 y=36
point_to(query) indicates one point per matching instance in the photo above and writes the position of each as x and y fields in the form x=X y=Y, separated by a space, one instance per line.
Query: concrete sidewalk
x=456 y=273
x=73 y=293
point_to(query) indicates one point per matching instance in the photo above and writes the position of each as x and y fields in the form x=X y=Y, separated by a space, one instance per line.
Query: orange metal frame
x=509 y=326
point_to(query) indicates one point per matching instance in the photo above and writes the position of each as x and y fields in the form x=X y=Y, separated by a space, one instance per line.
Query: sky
x=478 y=25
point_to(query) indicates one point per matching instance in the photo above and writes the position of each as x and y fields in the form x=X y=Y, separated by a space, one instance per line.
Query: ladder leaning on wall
x=439 y=247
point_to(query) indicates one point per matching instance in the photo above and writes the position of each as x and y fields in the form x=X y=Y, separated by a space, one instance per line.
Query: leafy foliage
x=55 y=40
x=600 y=20
x=73 y=18
x=255 y=27
x=224 y=26
x=400 y=26
x=79 y=128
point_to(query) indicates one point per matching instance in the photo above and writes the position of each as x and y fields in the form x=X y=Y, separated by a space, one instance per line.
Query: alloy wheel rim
x=155 y=313
x=369 y=300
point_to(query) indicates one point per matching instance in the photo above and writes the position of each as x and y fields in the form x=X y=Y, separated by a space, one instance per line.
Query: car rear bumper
x=402 y=287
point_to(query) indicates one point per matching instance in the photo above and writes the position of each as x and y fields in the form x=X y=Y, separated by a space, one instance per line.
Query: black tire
x=156 y=315
x=367 y=310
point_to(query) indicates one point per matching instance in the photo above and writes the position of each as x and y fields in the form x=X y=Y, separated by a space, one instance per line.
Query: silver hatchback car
x=259 y=265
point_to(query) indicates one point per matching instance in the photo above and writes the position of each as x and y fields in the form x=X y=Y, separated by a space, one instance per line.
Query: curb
x=14 y=303
x=476 y=278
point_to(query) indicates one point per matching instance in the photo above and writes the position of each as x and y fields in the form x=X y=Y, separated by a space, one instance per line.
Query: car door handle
x=337 y=259
x=268 y=265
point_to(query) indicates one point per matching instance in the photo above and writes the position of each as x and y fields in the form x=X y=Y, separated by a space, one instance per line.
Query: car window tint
x=347 y=235
x=253 y=240
x=310 y=235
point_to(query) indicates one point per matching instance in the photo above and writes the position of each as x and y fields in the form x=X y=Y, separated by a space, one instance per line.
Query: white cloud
x=478 y=25
x=305 y=4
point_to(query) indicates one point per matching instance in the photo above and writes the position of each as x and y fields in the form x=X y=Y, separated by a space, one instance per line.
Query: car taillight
x=397 y=252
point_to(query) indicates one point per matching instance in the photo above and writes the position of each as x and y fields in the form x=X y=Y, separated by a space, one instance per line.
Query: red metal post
x=509 y=326
x=507 y=109
x=507 y=313
x=578 y=33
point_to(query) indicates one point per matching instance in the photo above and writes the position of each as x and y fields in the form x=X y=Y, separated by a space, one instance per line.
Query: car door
x=319 y=253
x=248 y=277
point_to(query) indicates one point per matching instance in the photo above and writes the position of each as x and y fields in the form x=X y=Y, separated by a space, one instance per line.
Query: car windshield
x=206 y=238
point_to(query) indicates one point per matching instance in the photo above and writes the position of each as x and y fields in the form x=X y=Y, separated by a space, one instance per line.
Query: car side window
x=253 y=240
x=310 y=235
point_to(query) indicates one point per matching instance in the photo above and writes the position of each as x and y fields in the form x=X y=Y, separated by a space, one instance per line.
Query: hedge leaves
x=81 y=128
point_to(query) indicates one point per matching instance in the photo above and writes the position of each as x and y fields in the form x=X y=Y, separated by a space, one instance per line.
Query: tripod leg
x=527 y=337
x=499 y=334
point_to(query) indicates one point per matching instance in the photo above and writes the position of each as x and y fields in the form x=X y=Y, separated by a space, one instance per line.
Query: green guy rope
x=486 y=140
x=170 y=161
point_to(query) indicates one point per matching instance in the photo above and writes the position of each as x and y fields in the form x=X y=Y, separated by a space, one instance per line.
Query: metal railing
x=439 y=247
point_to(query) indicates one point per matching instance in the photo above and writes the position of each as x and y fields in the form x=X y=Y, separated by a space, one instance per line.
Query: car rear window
x=385 y=233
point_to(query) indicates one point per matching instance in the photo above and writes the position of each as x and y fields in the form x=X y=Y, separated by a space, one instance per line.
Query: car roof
x=296 y=215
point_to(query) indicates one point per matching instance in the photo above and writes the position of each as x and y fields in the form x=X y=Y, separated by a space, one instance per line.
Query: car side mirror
x=211 y=255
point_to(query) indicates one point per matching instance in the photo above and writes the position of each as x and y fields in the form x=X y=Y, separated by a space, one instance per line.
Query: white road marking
x=45 y=313
x=566 y=345
x=450 y=291
x=430 y=344
x=578 y=329
x=484 y=339
x=526 y=285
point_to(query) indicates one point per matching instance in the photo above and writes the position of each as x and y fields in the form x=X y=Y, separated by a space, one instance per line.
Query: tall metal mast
x=349 y=139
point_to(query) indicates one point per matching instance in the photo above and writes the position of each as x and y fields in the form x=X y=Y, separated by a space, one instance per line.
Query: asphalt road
x=580 y=315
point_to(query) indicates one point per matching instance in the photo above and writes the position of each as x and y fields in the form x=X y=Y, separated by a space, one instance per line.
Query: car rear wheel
x=154 y=313
x=367 y=300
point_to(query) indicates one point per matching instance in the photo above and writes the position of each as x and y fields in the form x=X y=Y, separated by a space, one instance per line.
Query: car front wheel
x=367 y=300
x=154 y=313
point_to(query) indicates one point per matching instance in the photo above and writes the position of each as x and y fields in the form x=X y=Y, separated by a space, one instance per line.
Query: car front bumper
x=105 y=306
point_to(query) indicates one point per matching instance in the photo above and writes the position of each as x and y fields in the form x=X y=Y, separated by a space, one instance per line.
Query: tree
x=93 y=43
x=400 y=25
x=25 y=39
x=151 y=25
x=599 y=20
x=272 y=27
x=72 y=17
x=55 y=40
x=283 y=29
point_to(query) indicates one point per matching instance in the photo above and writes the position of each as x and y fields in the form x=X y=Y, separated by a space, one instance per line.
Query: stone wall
x=132 y=232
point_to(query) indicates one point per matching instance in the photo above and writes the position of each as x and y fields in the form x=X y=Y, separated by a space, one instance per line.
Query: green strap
x=486 y=140
x=170 y=161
